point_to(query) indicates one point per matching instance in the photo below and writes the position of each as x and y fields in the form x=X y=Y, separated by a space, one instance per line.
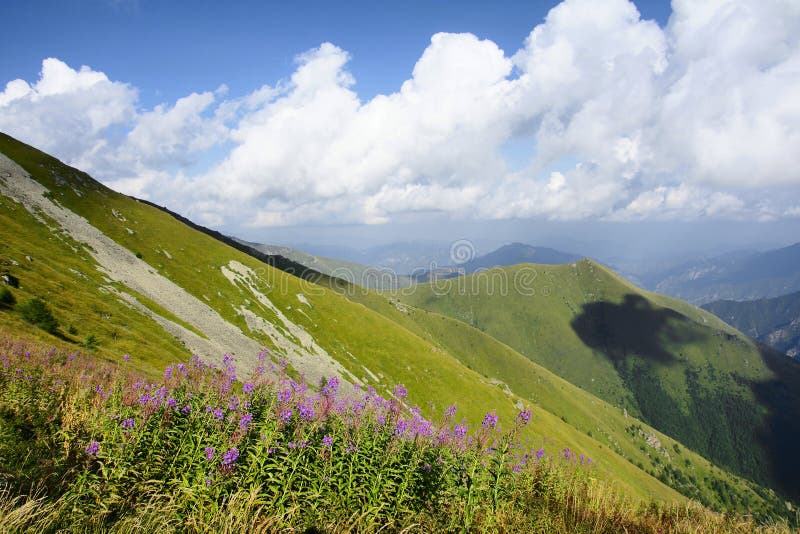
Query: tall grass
x=92 y=446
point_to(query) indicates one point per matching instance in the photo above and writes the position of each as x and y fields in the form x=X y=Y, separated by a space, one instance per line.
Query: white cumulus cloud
x=612 y=116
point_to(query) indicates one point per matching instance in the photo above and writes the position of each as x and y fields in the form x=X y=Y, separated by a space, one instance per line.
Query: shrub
x=36 y=312
x=7 y=299
x=90 y=342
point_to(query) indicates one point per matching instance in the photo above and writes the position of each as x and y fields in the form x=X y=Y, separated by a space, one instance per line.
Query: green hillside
x=676 y=367
x=774 y=322
x=637 y=442
x=318 y=331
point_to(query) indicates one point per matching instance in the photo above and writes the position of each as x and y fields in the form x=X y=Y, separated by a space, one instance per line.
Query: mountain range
x=511 y=254
x=744 y=275
x=774 y=322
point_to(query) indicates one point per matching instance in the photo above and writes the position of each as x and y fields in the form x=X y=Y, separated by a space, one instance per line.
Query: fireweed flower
x=330 y=389
x=490 y=420
x=284 y=395
x=230 y=456
x=92 y=448
x=245 y=421
x=307 y=412
x=400 y=428
x=524 y=417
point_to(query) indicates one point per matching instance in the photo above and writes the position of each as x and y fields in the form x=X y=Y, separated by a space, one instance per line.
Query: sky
x=299 y=122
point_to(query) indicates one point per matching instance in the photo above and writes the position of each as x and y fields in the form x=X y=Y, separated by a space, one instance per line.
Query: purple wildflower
x=490 y=421
x=285 y=415
x=186 y=409
x=460 y=431
x=524 y=417
x=450 y=411
x=127 y=423
x=248 y=388
x=126 y=358
x=230 y=456
x=168 y=372
x=218 y=414
x=400 y=391
x=171 y=403
x=331 y=387
x=307 y=412
x=327 y=441
x=245 y=421
x=400 y=428
x=209 y=453
x=92 y=448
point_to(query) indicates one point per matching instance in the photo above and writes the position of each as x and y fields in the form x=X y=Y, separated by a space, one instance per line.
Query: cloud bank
x=599 y=115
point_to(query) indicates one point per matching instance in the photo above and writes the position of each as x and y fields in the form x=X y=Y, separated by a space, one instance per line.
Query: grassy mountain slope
x=248 y=303
x=676 y=367
x=637 y=442
x=774 y=322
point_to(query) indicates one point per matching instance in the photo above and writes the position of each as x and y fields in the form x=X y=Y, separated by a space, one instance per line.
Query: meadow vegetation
x=91 y=445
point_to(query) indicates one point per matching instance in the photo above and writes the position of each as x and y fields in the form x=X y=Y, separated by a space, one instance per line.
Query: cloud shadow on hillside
x=634 y=335
x=780 y=433
x=632 y=327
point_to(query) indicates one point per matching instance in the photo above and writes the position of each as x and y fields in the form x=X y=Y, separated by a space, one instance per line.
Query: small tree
x=7 y=299
x=36 y=312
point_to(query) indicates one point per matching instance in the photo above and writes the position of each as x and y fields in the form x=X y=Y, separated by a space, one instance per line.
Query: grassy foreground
x=90 y=446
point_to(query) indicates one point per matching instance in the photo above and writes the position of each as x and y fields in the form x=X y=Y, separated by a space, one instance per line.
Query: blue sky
x=168 y=49
x=267 y=119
